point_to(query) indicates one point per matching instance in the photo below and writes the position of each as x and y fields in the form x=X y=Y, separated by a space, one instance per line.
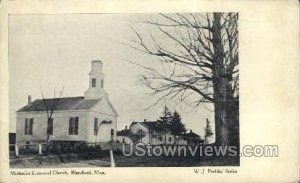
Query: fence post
x=40 y=149
x=112 y=161
x=16 y=150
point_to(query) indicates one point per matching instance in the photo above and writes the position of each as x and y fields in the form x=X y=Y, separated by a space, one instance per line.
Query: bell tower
x=96 y=82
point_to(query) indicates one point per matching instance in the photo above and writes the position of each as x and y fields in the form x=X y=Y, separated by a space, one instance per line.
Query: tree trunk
x=221 y=122
x=233 y=118
x=220 y=84
x=47 y=144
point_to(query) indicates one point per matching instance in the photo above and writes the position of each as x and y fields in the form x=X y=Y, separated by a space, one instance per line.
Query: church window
x=73 y=126
x=93 y=82
x=96 y=126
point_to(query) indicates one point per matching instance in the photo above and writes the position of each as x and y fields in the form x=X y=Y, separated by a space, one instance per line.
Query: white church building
x=90 y=118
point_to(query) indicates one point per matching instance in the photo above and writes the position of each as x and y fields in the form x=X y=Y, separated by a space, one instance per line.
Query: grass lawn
x=122 y=161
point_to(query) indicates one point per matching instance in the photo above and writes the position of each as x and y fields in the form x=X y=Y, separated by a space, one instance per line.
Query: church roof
x=67 y=103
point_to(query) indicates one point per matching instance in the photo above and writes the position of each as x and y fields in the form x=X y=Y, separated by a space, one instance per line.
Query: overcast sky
x=52 y=51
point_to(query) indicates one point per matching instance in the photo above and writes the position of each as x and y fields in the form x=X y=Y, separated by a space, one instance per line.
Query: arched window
x=102 y=83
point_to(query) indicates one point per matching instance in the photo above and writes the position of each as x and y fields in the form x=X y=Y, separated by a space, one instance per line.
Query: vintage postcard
x=168 y=91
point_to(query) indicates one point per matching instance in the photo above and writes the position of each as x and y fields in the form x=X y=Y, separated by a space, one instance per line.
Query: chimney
x=29 y=99
x=191 y=131
x=126 y=127
x=145 y=120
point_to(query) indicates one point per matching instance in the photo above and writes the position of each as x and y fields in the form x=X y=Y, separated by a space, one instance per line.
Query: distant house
x=150 y=132
x=90 y=118
x=192 y=138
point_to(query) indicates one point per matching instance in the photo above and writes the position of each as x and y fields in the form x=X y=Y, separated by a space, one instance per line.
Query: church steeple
x=96 y=82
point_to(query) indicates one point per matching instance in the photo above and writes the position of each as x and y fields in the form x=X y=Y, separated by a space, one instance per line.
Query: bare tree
x=199 y=62
x=50 y=106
